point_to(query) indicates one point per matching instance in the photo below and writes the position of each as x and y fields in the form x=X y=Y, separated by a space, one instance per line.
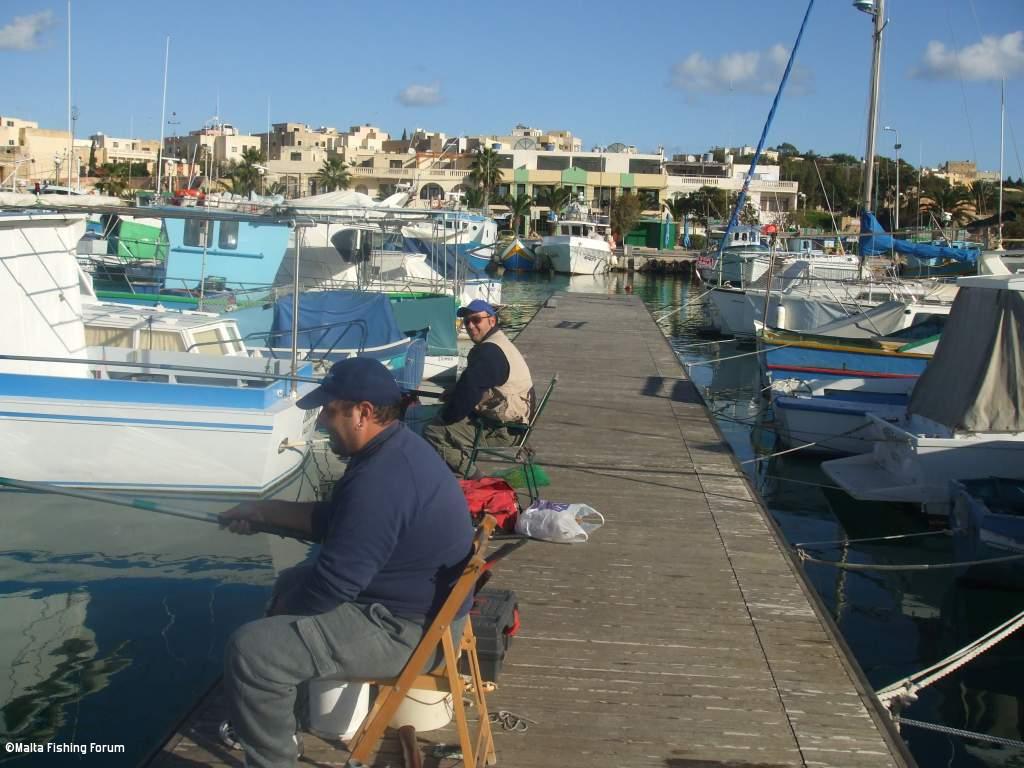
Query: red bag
x=492 y=496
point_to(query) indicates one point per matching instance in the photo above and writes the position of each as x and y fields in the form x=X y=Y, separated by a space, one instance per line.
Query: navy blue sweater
x=486 y=367
x=396 y=531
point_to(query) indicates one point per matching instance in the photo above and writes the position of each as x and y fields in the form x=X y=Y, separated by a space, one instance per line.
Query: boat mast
x=71 y=135
x=163 y=117
x=1002 y=126
x=877 y=9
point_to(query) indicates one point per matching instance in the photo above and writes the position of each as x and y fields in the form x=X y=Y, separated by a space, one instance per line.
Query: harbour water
x=115 y=619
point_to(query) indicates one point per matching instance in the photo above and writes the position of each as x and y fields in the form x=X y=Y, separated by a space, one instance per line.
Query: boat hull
x=144 y=435
x=577 y=255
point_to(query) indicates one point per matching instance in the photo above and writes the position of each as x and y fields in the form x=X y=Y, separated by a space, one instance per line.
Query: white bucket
x=336 y=710
x=424 y=710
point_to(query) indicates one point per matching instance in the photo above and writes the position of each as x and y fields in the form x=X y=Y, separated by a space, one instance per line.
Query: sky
x=681 y=74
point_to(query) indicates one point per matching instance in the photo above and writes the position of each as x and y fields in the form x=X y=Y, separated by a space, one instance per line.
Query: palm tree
x=333 y=174
x=243 y=178
x=277 y=188
x=474 y=197
x=555 y=198
x=519 y=208
x=945 y=198
x=485 y=173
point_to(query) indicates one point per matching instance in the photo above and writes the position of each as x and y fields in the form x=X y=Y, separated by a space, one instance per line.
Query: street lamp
x=896 y=225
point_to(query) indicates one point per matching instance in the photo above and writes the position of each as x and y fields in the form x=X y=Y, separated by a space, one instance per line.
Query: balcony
x=757 y=185
x=409 y=174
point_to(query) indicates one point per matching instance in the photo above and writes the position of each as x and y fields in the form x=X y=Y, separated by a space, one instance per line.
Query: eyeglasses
x=475 y=319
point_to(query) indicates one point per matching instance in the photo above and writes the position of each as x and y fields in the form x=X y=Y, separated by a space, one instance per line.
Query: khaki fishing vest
x=510 y=401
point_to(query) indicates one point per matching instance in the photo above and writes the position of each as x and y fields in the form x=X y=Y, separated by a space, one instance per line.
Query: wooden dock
x=682 y=635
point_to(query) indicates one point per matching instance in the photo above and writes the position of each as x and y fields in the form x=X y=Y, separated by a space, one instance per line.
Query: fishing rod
x=150 y=506
x=195 y=369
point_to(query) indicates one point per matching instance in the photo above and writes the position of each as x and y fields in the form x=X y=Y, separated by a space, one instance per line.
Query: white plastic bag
x=560 y=523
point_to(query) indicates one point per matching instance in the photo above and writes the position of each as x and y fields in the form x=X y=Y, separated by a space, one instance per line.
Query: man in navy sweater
x=495 y=387
x=395 y=536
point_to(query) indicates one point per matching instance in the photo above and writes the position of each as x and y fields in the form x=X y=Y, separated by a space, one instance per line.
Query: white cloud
x=421 y=95
x=23 y=33
x=993 y=58
x=746 y=71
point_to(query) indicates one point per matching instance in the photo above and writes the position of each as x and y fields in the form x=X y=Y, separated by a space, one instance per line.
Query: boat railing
x=325 y=330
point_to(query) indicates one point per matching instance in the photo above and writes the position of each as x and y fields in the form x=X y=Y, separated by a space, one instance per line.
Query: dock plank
x=682 y=635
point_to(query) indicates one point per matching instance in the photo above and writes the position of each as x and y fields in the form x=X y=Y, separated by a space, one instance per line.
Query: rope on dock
x=904 y=692
x=949 y=730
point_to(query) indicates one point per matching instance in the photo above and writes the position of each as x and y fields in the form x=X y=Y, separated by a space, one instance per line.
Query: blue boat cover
x=336 y=320
x=875 y=240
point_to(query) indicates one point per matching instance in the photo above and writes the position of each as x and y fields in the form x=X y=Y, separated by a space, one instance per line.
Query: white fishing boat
x=965 y=419
x=578 y=247
x=126 y=417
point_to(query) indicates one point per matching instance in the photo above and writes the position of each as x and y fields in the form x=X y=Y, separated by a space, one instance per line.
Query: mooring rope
x=904 y=692
x=733 y=357
x=894 y=537
x=951 y=731
x=804 y=557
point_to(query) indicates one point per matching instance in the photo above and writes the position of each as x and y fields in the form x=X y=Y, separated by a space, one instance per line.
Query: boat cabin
x=124 y=326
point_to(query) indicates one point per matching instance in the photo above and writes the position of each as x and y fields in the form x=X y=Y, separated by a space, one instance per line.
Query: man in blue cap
x=395 y=536
x=495 y=387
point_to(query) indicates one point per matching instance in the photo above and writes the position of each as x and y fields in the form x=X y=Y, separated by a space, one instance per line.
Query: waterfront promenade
x=681 y=635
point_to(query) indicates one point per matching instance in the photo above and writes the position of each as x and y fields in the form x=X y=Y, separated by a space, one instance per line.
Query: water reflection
x=114 y=619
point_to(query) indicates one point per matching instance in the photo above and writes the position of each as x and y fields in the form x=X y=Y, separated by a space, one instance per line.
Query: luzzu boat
x=792 y=355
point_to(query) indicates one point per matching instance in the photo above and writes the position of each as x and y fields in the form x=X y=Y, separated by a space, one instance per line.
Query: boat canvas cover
x=874 y=321
x=975 y=382
x=874 y=240
x=336 y=320
x=434 y=312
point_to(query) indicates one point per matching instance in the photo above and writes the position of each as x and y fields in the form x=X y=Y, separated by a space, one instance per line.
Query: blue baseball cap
x=355 y=379
x=476 y=305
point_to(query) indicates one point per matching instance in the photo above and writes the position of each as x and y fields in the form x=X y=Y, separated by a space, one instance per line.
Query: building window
x=115 y=145
x=234 y=149
x=10 y=123
x=395 y=164
x=10 y=142
x=228 y=238
x=298 y=143
x=295 y=155
x=520 y=189
x=502 y=191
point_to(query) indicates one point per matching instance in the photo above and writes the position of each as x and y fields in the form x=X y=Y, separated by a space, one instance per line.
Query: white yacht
x=578 y=247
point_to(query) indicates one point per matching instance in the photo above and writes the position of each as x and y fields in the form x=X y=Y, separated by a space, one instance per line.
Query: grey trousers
x=266 y=661
x=455 y=442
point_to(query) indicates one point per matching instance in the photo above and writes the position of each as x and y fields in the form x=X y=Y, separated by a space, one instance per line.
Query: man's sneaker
x=228 y=736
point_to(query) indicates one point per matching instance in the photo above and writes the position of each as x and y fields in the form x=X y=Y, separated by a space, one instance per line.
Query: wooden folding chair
x=475 y=752
x=520 y=451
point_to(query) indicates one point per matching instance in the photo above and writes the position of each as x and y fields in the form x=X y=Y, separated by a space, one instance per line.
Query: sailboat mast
x=163 y=121
x=71 y=134
x=1002 y=127
x=876 y=75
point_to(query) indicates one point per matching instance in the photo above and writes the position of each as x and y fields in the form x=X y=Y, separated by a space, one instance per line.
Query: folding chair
x=475 y=752
x=519 y=452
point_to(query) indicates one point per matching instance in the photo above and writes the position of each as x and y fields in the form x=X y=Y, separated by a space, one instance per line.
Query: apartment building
x=112 y=149
x=768 y=194
x=30 y=154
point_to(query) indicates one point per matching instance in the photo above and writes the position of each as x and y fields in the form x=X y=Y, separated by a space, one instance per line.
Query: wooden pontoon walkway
x=681 y=635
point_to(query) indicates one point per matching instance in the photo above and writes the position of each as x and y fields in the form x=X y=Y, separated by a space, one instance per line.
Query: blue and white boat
x=458 y=235
x=830 y=416
x=213 y=260
x=122 y=417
